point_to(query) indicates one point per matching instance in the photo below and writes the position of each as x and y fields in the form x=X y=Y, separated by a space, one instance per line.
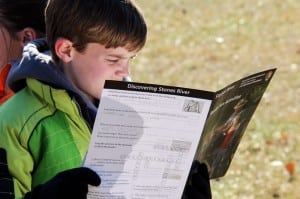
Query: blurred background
x=207 y=44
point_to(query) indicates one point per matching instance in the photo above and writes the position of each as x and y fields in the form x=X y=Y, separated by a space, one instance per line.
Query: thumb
x=202 y=169
x=89 y=176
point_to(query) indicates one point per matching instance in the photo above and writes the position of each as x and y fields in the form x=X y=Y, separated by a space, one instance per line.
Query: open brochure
x=146 y=136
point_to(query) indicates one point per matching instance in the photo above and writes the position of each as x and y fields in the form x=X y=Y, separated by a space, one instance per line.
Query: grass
x=206 y=44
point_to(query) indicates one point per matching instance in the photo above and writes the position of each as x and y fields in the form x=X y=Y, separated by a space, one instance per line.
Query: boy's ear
x=63 y=48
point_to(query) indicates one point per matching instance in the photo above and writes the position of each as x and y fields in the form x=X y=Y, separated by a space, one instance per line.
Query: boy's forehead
x=121 y=52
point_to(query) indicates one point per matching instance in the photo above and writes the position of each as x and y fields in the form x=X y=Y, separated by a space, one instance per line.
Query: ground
x=206 y=44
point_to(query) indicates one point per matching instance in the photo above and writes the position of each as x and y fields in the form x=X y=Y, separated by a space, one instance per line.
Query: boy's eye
x=113 y=60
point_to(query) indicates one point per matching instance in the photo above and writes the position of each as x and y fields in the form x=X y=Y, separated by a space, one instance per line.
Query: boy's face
x=88 y=70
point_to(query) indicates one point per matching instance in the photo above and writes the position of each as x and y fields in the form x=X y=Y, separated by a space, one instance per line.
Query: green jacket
x=37 y=145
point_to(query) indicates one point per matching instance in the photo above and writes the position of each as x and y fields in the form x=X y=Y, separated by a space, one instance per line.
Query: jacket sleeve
x=19 y=163
x=16 y=125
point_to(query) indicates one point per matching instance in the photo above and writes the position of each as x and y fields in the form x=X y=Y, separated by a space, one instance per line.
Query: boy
x=90 y=41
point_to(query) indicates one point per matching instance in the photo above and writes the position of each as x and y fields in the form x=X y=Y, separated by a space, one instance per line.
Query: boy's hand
x=6 y=182
x=198 y=184
x=71 y=183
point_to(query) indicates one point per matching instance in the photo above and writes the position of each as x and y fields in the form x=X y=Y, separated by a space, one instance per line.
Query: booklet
x=146 y=136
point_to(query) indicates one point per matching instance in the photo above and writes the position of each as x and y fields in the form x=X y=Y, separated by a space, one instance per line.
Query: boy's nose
x=123 y=72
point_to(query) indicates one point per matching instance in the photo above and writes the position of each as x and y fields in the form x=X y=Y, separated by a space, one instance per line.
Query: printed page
x=144 y=140
x=228 y=118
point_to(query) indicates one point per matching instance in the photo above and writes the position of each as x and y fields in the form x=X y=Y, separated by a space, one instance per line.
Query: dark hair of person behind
x=16 y=15
x=112 y=23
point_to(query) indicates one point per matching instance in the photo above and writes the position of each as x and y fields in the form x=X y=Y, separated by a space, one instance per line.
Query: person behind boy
x=20 y=22
x=45 y=127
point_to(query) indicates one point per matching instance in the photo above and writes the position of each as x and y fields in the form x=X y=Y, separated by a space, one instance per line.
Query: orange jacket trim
x=5 y=92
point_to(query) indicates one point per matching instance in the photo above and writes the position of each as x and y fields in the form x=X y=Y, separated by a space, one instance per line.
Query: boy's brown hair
x=112 y=23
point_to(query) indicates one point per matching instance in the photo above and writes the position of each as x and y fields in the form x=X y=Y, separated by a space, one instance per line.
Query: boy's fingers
x=82 y=174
